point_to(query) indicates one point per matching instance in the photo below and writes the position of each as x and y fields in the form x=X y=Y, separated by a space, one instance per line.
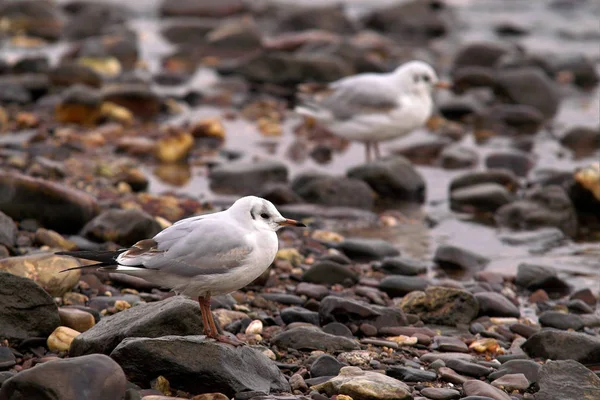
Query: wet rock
x=337 y=329
x=413 y=20
x=440 y=393
x=94 y=19
x=584 y=295
x=50 y=238
x=93 y=377
x=311 y=290
x=398 y=286
x=367 y=249
x=312 y=338
x=344 y=310
x=124 y=227
x=44 y=270
x=494 y=304
x=479 y=54
x=174 y=146
x=328 y=272
x=7 y=360
x=561 y=345
x=76 y=319
x=560 y=320
x=449 y=344
x=448 y=375
x=61 y=339
x=452 y=257
x=529 y=368
x=565 y=380
x=583 y=141
x=510 y=382
x=393 y=177
x=402 y=266
x=191 y=8
x=34 y=17
x=410 y=374
x=501 y=177
x=431 y=357
x=364 y=385
x=456 y=157
x=327 y=18
x=8 y=230
x=80 y=104
x=55 y=206
x=197 y=365
x=174 y=316
x=26 y=310
x=469 y=368
x=524 y=330
x=485 y=197
x=299 y=314
x=325 y=365
x=534 y=277
x=509 y=120
x=528 y=85
x=515 y=161
x=279 y=194
x=479 y=388
x=334 y=191
x=246 y=178
x=140 y=99
x=542 y=207
x=283 y=298
x=441 y=305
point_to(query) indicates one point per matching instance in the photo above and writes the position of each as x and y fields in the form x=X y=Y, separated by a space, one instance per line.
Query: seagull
x=373 y=107
x=203 y=256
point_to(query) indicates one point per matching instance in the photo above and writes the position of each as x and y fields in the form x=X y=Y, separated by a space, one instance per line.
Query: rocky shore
x=462 y=265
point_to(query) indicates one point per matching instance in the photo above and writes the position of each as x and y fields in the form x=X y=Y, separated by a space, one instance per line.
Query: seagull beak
x=443 y=85
x=291 y=222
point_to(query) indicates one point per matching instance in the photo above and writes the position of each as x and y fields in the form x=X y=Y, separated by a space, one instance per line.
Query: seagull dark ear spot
x=416 y=78
x=252 y=215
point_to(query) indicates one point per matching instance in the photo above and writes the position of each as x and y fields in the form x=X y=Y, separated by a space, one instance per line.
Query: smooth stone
x=340 y=309
x=359 y=249
x=311 y=290
x=452 y=257
x=445 y=357
x=409 y=374
x=441 y=305
x=338 y=329
x=283 y=298
x=325 y=365
x=479 y=388
x=7 y=358
x=76 y=319
x=8 y=230
x=563 y=345
x=312 y=338
x=124 y=227
x=26 y=310
x=449 y=344
x=299 y=314
x=60 y=340
x=402 y=266
x=469 y=368
x=529 y=368
x=336 y=191
x=492 y=304
x=502 y=177
x=579 y=307
x=363 y=385
x=510 y=382
x=330 y=273
x=197 y=365
x=567 y=380
x=92 y=377
x=399 y=285
x=484 y=197
x=174 y=316
x=449 y=375
x=457 y=157
x=524 y=330
x=440 y=393
x=245 y=178
x=560 y=320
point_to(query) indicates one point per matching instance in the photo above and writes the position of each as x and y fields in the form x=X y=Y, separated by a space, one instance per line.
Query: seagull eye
x=264 y=215
x=426 y=78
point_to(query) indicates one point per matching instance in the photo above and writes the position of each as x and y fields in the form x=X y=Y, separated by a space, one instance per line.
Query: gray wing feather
x=199 y=247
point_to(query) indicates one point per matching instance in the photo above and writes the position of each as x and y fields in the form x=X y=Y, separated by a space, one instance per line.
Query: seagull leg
x=368 y=151
x=205 y=322
x=214 y=330
x=376 y=147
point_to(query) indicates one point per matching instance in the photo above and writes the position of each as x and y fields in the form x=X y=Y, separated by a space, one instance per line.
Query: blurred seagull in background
x=373 y=107
x=203 y=256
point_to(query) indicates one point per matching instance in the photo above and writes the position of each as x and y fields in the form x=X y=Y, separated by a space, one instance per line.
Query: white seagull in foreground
x=203 y=256
x=373 y=107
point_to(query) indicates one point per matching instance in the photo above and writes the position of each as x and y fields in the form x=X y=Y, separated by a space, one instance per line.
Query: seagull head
x=261 y=213
x=418 y=77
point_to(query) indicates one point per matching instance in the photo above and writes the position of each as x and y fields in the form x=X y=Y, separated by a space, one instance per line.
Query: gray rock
x=338 y=329
x=55 y=206
x=484 y=197
x=500 y=177
x=561 y=345
x=560 y=320
x=299 y=314
x=398 y=285
x=510 y=382
x=330 y=273
x=402 y=266
x=409 y=374
x=367 y=249
x=449 y=344
x=340 y=309
x=445 y=357
x=452 y=257
x=479 y=388
x=311 y=290
x=244 y=178
x=26 y=310
x=328 y=18
x=174 y=316
x=529 y=368
x=440 y=393
x=441 y=305
x=325 y=365
x=547 y=206
x=492 y=304
x=313 y=338
x=583 y=141
x=456 y=157
x=338 y=192
x=191 y=8
x=197 y=365
x=393 y=177
x=480 y=54
x=514 y=160
x=8 y=230
x=567 y=380
x=469 y=368
x=124 y=227
x=93 y=377
x=7 y=358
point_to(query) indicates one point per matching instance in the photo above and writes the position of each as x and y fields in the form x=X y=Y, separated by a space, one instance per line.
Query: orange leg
x=368 y=151
x=376 y=147
x=210 y=328
x=203 y=310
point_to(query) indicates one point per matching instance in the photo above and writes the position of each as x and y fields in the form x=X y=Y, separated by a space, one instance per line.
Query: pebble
x=243 y=178
x=402 y=266
x=452 y=257
x=484 y=197
x=328 y=272
x=560 y=320
x=125 y=227
x=61 y=339
x=7 y=359
x=563 y=345
x=441 y=305
x=510 y=382
x=566 y=380
x=398 y=286
x=449 y=344
x=440 y=393
x=479 y=388
x=359 y=249
x=325 y=365
x=312 y=338
x=529 y=368
x=449 y=375
x=493 y=304
x=299 y=314
x=469 y=368
x=409 y=374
